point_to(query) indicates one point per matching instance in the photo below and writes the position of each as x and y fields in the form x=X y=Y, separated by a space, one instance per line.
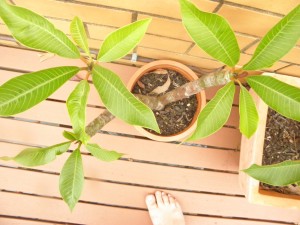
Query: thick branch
x=157 y=103
x=99 y=122
x=186 y=90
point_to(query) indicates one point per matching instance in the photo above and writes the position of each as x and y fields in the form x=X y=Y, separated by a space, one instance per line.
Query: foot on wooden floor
x=164 y=209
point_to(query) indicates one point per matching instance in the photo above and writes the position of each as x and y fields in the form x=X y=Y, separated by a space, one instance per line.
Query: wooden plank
x=156 y=152
x=83 y=213
x=29 y=60
x=92 y=214
x=225 y=138
x=144 y=173
x=153 y=7
x=67 y=10
x=15 y=221
x=131 y=196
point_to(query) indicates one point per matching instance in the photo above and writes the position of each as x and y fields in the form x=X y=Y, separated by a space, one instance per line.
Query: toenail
x=150 y=199
x=163 y=193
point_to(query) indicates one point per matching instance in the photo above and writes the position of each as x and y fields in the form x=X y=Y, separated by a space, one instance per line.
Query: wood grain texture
x=145 y=174
x=92 y=214
x=102 y=193
x=203 y=179
x=23 y=221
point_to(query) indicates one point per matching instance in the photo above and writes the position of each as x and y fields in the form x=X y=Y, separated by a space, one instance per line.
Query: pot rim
x=187 y=73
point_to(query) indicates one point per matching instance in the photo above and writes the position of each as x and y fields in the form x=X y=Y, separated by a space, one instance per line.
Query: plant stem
x=86 y=61
x=210 y=80
x=157 y=103
x=99 y=122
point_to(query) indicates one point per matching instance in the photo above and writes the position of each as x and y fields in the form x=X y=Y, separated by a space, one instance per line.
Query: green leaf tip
x=76 y=104
x=23 y=23
x=248 y=113
x=277 y=42
x=280 y=96
x=215 y=113
x=72 y=179
x=25 y=91
x=79 y=35
x=281 y=174
x=6 y=158
x=210 y=32
x=69 y=135
x=102 y=154
x=39 y=156
x=120 y=42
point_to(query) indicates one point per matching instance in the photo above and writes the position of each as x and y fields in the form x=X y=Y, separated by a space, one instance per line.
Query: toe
x=165 y=198
x=177 y=205
x=171 y=200
x=151 y=202
x=159 y=200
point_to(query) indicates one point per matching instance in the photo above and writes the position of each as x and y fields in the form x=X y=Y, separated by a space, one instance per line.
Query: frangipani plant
x=210 y=31
x=25 y=91
x=213 y=34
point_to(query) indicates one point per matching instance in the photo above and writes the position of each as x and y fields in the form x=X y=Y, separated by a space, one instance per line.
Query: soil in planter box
x=282 y=142
x=176 y=116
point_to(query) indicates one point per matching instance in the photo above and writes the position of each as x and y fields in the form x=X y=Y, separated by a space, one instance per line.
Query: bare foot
x=164 y=209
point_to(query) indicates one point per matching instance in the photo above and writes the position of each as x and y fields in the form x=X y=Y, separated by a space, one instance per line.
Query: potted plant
x=178 y=119
x=279 y=138
x=209 y=31
x=278 y=92
x=213 y=34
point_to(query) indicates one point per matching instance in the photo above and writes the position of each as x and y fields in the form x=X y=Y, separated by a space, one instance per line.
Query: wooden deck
x=202 y=175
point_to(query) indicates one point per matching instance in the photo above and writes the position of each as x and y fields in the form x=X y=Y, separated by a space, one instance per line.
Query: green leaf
x=121 y=102
x=69 y=135
x=79 y=35
x=71 y=179
x=76 y=104
x=120 y=42
x=103 y=154
x=215 y=113
x=281 y=97
x=25 y=91
x=281 y=174
x=277 y=42
x=34 y=31
x=210 y=32
x=39 y=156
x=248 y=113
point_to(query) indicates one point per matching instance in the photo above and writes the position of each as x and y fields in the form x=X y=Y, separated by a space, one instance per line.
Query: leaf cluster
x=210 y=32
x=25 y=91
x=213 y=34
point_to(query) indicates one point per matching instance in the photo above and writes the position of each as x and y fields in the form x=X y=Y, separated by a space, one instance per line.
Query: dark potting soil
x=282 y=142
x=176 y=116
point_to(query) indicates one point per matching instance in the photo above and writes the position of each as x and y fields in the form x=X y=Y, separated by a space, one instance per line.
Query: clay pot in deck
x=187 y=73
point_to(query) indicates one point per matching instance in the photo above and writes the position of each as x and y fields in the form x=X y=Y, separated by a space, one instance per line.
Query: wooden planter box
x=252 y=151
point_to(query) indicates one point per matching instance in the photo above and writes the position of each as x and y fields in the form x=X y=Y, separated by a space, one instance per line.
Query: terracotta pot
x=252 y=152
x=187 y=73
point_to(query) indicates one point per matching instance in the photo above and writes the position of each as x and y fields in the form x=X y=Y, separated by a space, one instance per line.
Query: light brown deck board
x=203 y=177
x=143 y=174
x=131 y=196
x=24 y=221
